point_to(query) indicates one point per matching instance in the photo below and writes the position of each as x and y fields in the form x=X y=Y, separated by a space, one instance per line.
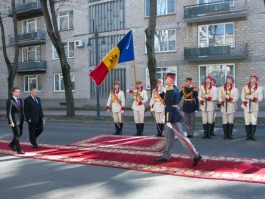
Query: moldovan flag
x=123 y=52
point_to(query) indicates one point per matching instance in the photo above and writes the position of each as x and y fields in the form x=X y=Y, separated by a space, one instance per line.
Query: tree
x=150 y=37
x=11 y=67
x=49 y=13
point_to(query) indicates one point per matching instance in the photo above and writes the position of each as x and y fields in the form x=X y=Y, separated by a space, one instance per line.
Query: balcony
x=32 y=66
x=29 y=39
x=221 y=10
x=216 y=53
x=27 y=10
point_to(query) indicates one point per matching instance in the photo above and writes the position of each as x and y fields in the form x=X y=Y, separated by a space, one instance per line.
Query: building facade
x=194 y=38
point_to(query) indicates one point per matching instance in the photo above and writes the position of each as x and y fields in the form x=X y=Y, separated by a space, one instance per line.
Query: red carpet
x=142 y=143
x=221 y=168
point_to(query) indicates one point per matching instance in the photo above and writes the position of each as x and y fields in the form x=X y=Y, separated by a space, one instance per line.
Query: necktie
x=36 y=100
x=18 y=102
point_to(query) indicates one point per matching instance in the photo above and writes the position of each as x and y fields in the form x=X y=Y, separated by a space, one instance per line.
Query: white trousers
x=159 y=117
x=138 y=116
x=228 y=118
x=251 y=118
x=207 y=117
x=118 y=117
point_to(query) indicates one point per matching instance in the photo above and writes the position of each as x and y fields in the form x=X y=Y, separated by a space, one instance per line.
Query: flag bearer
x=117 y=102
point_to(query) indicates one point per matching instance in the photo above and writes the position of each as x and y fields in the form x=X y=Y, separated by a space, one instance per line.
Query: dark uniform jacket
x=172 y=97
x=14 y=111
x=33 y=109
x=190 y=97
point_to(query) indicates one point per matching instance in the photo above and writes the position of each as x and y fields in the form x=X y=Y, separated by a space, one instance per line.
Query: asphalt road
x=30 y=179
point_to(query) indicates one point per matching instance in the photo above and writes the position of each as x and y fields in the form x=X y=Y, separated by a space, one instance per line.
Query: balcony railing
x=32 y=38
x=26 y=10
x=216 y=53
x=223 y=9
x=32 y=66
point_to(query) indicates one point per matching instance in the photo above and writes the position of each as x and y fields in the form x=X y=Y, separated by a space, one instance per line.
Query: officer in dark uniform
x=189 y=94
x=173 y=122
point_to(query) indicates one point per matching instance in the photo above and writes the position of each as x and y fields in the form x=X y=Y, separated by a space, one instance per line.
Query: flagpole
x=134 y=72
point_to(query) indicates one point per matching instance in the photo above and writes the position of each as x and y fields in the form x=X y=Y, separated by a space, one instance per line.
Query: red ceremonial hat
x=138 y=82
x=213 y=79
x=188 y=79
x=171 y=75
x=230 y=77
x=209 y=77
x=254 y=76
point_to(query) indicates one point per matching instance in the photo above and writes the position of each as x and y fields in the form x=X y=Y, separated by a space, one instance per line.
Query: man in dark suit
x=34 y=116
x=15 y=118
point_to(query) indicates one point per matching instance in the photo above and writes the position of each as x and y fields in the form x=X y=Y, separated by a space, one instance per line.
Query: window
x=232 y=3
x=216 y=35
x=164 y=7
x=107 y=16
x=165 y=41
x=161 y=74
x=31 y=25
x=218 y=71
x=59 y=84
x=69 y=48
x=65 y=20
x=31 y=53
x=30 y=82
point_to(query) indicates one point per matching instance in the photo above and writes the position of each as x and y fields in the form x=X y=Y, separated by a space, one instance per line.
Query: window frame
x=36 y=53
x=61 y=80
x=225 y=23
x=54 y=52
x=66 y=14
x=36 y=77
x=27 y=25
x=145 y=7
x=207 y=70
x=168 y=69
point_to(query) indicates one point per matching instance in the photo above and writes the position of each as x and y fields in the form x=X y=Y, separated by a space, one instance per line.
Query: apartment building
x=194 y=38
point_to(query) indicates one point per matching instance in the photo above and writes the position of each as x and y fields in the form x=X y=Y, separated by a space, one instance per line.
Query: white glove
x=169 y=125
x=250 y=97
x=227 y=96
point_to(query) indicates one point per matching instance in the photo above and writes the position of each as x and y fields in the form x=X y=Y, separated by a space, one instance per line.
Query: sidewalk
x=128 y=113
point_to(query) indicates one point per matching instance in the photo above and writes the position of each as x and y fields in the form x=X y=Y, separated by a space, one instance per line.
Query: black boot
x=138 y=129
x=209 y=127
x=230 y=131
x=116 y=129
x=141 y=129
x=248 y=130
x=205 y=129
x=225 y=129
x=253 y=131
x=159 y=130
x=162 y=127
x=120 y=129
x=212 y=129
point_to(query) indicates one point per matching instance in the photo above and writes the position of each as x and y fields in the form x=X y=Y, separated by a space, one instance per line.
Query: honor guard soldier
x=139 y=98
x=207 y=96
x=173 y=122
x=157 y=107
x=189 y=94
x=215 y=106
x=251 y=96
x=117 y=101
x=228 y=96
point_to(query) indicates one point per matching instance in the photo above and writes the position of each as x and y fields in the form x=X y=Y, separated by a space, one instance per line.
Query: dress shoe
x=196 y=160
x=20 y=151
x=35 y=146
x=12 y=147
x=190 y=136
x=161 y=159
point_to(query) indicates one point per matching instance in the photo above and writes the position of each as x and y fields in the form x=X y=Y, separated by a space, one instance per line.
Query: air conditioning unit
x=79 y=43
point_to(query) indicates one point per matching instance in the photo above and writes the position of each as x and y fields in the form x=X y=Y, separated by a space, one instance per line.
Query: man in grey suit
x=15 y=116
